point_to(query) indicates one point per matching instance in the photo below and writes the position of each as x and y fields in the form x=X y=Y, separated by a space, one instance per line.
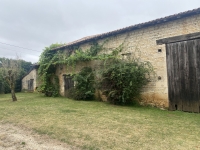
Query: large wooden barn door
x=183 y=67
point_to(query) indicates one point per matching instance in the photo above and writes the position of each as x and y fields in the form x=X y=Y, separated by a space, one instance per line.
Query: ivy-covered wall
x=63 y=69
x=141 y=42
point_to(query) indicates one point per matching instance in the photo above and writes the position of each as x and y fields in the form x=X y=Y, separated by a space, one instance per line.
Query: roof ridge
x=132 y=27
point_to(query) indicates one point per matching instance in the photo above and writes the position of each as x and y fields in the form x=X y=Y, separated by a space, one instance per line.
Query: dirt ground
x=19 y=138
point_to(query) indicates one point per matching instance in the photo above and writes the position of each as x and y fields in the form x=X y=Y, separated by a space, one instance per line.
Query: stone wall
x=32 y=75
x=142 y=42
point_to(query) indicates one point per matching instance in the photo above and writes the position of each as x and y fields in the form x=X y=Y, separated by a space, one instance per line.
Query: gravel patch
x=19 y=138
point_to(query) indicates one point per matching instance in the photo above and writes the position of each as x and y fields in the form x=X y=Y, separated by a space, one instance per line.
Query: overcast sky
x=35 y=24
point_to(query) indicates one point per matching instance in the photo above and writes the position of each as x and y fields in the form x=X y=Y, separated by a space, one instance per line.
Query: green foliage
x=78 y=56
x=48 y=58
x=88 y=55
x=2 y=86
x=20 y=66
x=49 y=81
x=24 y=68
x=84 y=87
x=51 y=86
x=95 y=49
x=122 y=81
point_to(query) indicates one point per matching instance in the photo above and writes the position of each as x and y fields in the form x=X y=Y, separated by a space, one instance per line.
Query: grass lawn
x=98 y=125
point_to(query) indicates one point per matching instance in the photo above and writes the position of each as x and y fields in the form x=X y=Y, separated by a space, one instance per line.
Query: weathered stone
x=142 y=42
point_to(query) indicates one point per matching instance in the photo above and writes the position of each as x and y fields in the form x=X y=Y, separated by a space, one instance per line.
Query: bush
x=76 y=94
x=84 y=85
x=122 y=81
x=50 y=86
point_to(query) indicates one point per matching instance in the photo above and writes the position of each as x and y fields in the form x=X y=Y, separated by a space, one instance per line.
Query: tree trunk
x=14 y=98
x=11 y=80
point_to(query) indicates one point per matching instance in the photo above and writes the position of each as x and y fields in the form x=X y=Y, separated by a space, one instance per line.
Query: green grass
x=98 y=125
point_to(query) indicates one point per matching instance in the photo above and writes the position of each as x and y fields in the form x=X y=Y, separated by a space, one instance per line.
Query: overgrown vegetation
x=47 y=67
x=11 y=73
x=22 y=68
x=49 y=59
x=81 y=56
x=4 y=87
x=120 y=80
x=84 y=85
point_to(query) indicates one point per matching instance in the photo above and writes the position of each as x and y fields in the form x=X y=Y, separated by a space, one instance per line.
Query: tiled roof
x=133 y=27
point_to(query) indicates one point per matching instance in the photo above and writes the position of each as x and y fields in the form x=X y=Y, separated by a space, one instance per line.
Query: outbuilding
x=30 y=80
x=171 y=44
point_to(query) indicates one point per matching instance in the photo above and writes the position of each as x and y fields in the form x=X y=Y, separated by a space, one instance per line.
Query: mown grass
x=97 y=125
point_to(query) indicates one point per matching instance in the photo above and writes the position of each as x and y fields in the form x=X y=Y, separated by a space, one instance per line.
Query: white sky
x=35 y=24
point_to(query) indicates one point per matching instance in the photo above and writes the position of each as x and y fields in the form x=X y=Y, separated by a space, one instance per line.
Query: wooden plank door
x=69 y=83
x=183 y=69
x=30 y=84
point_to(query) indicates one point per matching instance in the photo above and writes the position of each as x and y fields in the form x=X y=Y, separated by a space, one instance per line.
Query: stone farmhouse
x=30 y=80
x=171 y=44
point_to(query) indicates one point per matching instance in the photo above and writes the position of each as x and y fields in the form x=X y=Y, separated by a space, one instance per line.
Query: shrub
x=84 y=85
x=122 y=81
x=50 y=86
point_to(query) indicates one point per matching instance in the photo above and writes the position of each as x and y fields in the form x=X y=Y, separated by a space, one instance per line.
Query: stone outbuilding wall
x=141 y=40
x=30 y=81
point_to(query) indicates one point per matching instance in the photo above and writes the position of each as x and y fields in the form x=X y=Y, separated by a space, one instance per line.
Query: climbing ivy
x=50 y=58
x=47 y=67
x=120 y=80
x=82 y=56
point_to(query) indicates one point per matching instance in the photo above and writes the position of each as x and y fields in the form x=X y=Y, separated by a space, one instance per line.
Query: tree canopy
x=6 y=64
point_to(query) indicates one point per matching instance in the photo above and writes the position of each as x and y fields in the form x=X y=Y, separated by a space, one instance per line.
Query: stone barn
x=30 y=80
x=171 y=44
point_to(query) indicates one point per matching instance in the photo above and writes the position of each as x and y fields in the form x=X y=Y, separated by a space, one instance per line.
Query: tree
x=22 y=69
x=10 y=78
x=10 y=70
x=4 y=87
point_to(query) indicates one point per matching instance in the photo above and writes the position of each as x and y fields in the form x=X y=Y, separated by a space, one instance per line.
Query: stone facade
x=30 y=81
x=142 y=42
